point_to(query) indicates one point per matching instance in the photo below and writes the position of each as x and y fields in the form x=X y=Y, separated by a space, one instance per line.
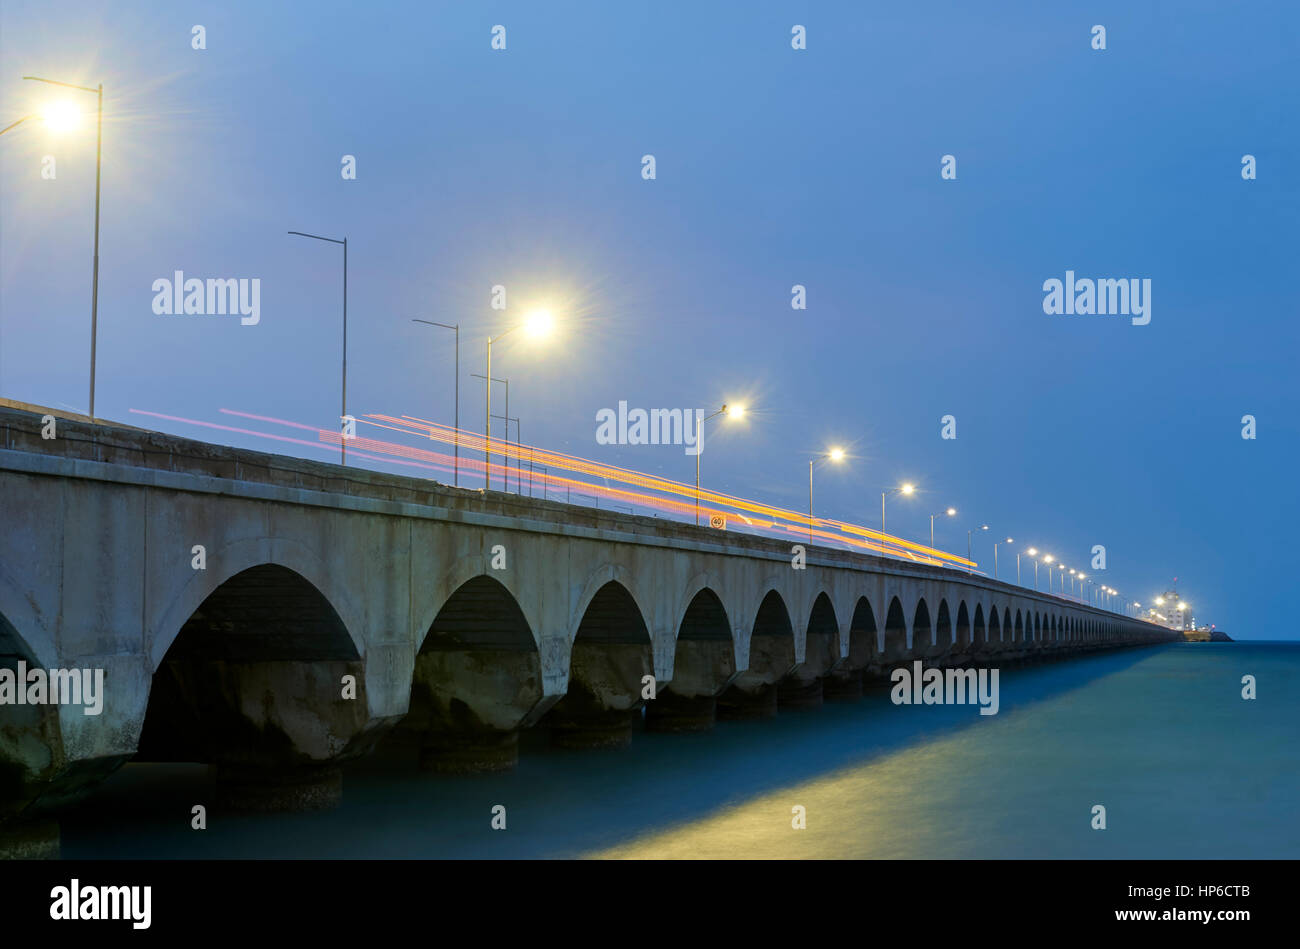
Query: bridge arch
x=236 y=557
x=922 y=631
x=863 y=635
x=822 y=635
x=598 y=583
x=477 y=675
x=943 y=632
x=771 y=657
x=250 y=683
x=704 y=662
x=612 y=653
x=898 y=637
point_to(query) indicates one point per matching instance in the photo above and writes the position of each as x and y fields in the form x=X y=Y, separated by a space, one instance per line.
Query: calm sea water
x=1161 y=737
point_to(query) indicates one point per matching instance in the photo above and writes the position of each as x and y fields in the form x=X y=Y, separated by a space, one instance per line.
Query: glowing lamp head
x=1160 y=601
x=1011 y=540
x=1032 y=551
x=539 y=323
x=61 y=116
x=735 y=411
x=1182 y=606
x=1048 y=558
x=952 y=512
x=836 y=454
x=908 y=488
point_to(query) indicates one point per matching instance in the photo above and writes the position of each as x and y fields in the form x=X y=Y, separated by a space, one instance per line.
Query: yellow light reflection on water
x=895 y=807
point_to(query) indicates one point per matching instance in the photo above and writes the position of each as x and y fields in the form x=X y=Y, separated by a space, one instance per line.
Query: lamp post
x=951 y=512
x=519 y=481
x=982 y=527
x=904 y=488
x=94 y=280
x=505 y=484
x=1033 y=555
x=1047 y=559
x=836 y=455
x=539 y=323
x=1009 y=540
x=343 y=442
x=456 y=422
x=735 y=411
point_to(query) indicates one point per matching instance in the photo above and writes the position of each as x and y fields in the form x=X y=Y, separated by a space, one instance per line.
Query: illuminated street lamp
x=904 y=488
x=835 y=454
x=539 y=323
x=61 y=116
x=734 y=411
x=1009 y=540
x=1033 y=555
x=951 y=512
x=1047 y=559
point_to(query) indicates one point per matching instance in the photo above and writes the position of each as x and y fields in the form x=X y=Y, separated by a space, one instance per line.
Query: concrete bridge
x=228 y=595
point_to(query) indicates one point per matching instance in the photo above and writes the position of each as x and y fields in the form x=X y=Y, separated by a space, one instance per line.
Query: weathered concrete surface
x=99 y=530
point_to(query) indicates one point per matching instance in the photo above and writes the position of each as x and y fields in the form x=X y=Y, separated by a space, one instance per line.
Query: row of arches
x=251 y=681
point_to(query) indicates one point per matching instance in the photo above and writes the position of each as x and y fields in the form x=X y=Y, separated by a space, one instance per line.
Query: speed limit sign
x=718 y=521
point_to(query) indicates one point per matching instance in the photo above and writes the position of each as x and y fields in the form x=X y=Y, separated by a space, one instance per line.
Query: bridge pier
x=738 y=704
x=796 y=692
x=604 y=695
x=29 y=840
x=843 y=684
x=278 y=789
x=275 y=731
x=671 y=712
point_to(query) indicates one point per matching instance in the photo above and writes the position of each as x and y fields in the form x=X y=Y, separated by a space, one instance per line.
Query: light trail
x=681 y=503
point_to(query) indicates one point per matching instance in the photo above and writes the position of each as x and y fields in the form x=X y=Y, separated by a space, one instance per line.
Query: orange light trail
x=765 y=517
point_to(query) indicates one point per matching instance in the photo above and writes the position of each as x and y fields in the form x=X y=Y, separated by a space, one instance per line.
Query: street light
x=61 y=116
x=539 y=323
x=1047 y=559
x=456 y=422
x=1009 y=540
x=904 y=488
x=835 y=454
x=983 y=527
x=734 y=411
x=505 y=475
x=951 y=512
x=343 y=442
x=1033 y=553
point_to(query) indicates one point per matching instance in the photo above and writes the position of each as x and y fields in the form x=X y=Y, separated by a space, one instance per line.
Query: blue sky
x=775 y=167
